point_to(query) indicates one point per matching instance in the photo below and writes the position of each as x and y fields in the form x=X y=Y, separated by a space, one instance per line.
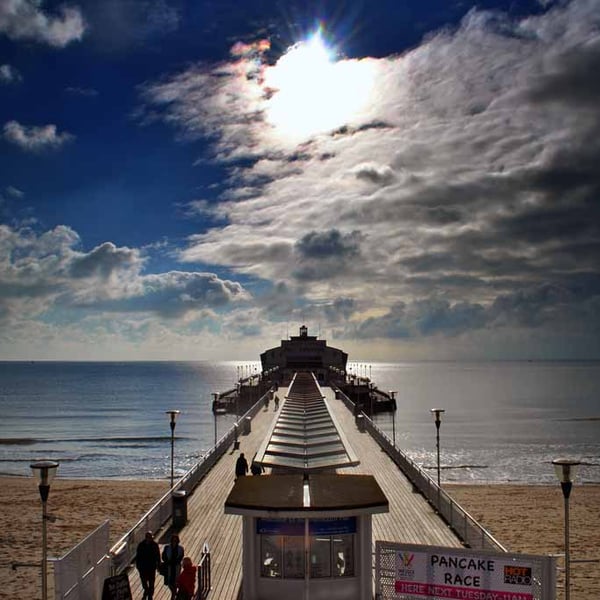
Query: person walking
x=172 y=556
x=147 y=561
x=186 y=581
x=255 y=467
x=241 y=466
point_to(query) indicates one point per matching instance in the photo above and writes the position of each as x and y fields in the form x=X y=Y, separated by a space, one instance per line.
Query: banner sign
x=331 y=526
x=449 y=575
x=432 y=573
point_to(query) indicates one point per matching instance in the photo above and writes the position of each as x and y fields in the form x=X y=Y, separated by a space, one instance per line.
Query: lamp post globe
x=566 y=469
x=44 y=472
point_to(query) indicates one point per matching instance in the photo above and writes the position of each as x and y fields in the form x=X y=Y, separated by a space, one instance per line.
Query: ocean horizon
x=504 y=421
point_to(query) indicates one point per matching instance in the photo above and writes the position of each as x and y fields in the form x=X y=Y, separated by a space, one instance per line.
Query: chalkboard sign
x=116 y=588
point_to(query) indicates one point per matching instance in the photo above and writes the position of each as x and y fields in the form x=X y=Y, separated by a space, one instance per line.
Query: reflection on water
x=504 y=421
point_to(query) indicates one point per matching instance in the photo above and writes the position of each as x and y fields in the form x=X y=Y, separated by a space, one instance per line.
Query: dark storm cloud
x=328 y=244
x=323 y=255
x=573 y=78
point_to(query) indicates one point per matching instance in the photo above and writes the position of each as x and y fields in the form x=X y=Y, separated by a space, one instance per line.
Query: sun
x=313 y=93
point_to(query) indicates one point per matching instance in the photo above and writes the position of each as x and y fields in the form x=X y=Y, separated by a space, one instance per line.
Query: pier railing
x=123 y=551
x=464 y=525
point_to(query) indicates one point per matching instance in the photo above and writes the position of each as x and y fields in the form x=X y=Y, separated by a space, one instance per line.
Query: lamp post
x=236 y=443
x=392 y=394
x=437 y=415
x=172 y=416
x=44 y=471
x=565 y=471
x=215 y=400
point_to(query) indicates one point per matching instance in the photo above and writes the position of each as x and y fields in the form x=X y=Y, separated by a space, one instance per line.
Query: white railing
x=79 y=574
x=123 y=551
x=464 y=525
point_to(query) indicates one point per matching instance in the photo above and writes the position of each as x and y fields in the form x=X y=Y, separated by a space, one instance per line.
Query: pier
x=411 y=518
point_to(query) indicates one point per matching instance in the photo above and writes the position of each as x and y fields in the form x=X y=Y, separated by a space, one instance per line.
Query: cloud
x=103 y=261
x=33 y=138
x=375 y=174
x=14 y=192
x=471 y=207
x=46 y=274
x=8 y=74
x=459 y=205
x=322 y=255
x=328 y=244
x=26 y=20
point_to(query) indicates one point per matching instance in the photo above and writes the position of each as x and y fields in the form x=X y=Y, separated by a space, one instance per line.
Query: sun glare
x=312 y=93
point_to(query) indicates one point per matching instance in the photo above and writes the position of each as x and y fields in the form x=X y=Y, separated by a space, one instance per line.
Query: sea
x=503 y=422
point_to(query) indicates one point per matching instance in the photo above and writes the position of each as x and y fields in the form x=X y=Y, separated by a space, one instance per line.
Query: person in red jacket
x=186 y=581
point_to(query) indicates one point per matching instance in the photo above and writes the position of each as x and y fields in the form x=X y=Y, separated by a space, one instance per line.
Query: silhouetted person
x=241 y=466
x=147 y=560
x=172 y=555
x=256 y=468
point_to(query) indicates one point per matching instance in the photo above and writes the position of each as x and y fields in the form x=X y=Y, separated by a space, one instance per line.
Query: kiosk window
x=283 y=553
x=270 y=551
x=343 y=556
x=293 y=557
x=320 y=557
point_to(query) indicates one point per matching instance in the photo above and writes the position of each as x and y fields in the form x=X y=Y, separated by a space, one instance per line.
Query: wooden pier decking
x=411 y=519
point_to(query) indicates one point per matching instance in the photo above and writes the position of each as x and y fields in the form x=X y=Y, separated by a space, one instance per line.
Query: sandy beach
x=523 y=518
x=530 y=519
x=79 y=507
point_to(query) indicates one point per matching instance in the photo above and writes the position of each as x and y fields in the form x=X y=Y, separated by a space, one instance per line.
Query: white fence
x=80 y=573
x=123 y=552
x=463 y=524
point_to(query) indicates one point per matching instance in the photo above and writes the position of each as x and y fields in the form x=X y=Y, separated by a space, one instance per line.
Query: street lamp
x=215 y=408
x=173 y=416
x=44 y=471
x=565 y=471
x=437 y=414
x=392 y=394
x=236 y=443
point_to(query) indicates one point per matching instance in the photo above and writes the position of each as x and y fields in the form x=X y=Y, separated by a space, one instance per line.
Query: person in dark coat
x=147 y=560
x=172 y=555
x=256 y=468
x=241 y=466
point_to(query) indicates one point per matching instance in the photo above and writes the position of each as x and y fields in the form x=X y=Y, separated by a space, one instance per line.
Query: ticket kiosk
x=307 y=536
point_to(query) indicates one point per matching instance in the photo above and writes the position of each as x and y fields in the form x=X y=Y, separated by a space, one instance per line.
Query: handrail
x=204 y=584
x=123 y=551
x=464 y=525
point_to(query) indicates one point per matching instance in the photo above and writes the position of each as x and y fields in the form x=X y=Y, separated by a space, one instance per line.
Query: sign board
x=431 y=572
x=332 y=526
x=116 y=588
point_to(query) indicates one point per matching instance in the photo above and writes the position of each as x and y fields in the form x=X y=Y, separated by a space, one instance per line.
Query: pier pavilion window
x=332 y=556
x=293 y=557
x=320 y=557
x=331 y=544
x=270 y=551
x=343 y=555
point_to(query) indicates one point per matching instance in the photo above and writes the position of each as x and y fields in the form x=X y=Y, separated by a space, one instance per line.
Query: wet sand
x=523 y=518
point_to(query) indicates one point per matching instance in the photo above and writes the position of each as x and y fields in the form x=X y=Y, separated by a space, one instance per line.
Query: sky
x=411 y=179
